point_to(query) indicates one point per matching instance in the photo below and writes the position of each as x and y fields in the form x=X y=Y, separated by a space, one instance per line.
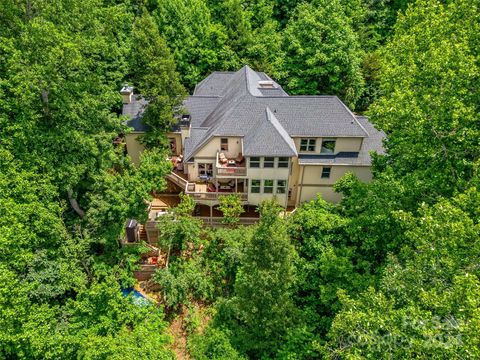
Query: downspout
x=288 y=184
x=301 y=185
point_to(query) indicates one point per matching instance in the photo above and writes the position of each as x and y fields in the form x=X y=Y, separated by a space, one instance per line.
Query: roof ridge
x=298 y=96
x=280 y=129
x=353 y=115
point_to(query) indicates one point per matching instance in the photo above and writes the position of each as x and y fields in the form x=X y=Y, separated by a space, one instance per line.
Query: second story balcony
x=231 y=166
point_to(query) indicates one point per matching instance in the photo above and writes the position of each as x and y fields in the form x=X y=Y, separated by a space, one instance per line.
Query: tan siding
x=342 y=145
x=178 y=142
x=313 y=182
x=348 y=144
x=211 y=148
x=134 y=147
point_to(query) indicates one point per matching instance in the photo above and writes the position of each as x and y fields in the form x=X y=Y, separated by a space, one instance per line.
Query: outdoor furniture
x=222 y=158
x=239 y=159
x=211 y=188
x=225 y=187
x=231 y=163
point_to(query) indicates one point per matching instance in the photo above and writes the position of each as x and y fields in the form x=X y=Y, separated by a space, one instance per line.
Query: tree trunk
x=74 y=204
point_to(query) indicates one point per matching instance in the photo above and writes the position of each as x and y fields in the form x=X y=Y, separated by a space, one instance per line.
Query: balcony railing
x=231 y=171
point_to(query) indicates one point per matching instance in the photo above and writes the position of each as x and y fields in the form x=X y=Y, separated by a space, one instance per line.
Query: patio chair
x=222 y=158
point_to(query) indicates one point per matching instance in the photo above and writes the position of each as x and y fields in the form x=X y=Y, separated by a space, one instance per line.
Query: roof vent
x=266 y=84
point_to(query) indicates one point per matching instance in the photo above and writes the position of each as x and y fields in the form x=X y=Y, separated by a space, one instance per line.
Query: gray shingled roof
x=243 y=106
x=199 y=107
x=214 y=84
x=233 y=104
x=268 y=138
x=135 y=110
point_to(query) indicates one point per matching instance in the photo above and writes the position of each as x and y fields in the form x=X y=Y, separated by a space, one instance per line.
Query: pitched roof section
x=214 y=84
x=200 y=107
x=135 y=110
x=191 y=143
x=268 y=138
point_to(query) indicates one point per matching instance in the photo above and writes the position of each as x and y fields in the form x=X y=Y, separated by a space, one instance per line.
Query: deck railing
x=218 y=220
x=231 y=171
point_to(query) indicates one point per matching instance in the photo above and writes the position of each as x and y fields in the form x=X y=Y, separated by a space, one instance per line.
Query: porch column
x=211 y=213
x=236 y=185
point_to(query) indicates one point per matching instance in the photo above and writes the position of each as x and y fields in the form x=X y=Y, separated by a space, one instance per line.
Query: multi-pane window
x=268 y=186
x=205 y=169
x=307 y=144
x=254 y=162
x=255 y=187
x=281 y=186
x=268 y=162
x=326 y=172
x=328 y=146
x=224 y=144
x=283 y=162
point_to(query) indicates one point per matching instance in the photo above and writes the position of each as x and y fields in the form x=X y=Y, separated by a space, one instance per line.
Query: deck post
x=236 y=185
x=211 y=213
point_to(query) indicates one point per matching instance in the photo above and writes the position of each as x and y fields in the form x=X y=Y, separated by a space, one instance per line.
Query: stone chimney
x=127 y=93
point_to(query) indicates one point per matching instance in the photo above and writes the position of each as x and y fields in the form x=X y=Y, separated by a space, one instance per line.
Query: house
x=245 y=134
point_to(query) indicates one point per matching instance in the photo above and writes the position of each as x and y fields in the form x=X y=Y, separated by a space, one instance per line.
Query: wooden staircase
x=177 y=180
x=142 y=233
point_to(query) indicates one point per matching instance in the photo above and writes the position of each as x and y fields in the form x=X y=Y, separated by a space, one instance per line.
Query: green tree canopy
x=321 y=53
x=155 y=76
x=430 y=105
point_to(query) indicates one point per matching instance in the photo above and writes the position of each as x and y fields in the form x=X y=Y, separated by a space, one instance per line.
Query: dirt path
x=179 y=338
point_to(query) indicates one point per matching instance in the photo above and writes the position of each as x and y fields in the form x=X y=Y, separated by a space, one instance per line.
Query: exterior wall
x=178 y=142
x=190 y=171
x=293 y=181
x=134 y=147
x=310 y=193
x=210 y=149
x=342 y=144
x=348 y=145
x=311 y=183
x=184 y=133
x=193 y=167
x=267 y=174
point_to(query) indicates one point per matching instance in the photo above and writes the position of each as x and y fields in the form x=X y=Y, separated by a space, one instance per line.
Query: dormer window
x=307 y=144
x=328 y=146
x=224 y=144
